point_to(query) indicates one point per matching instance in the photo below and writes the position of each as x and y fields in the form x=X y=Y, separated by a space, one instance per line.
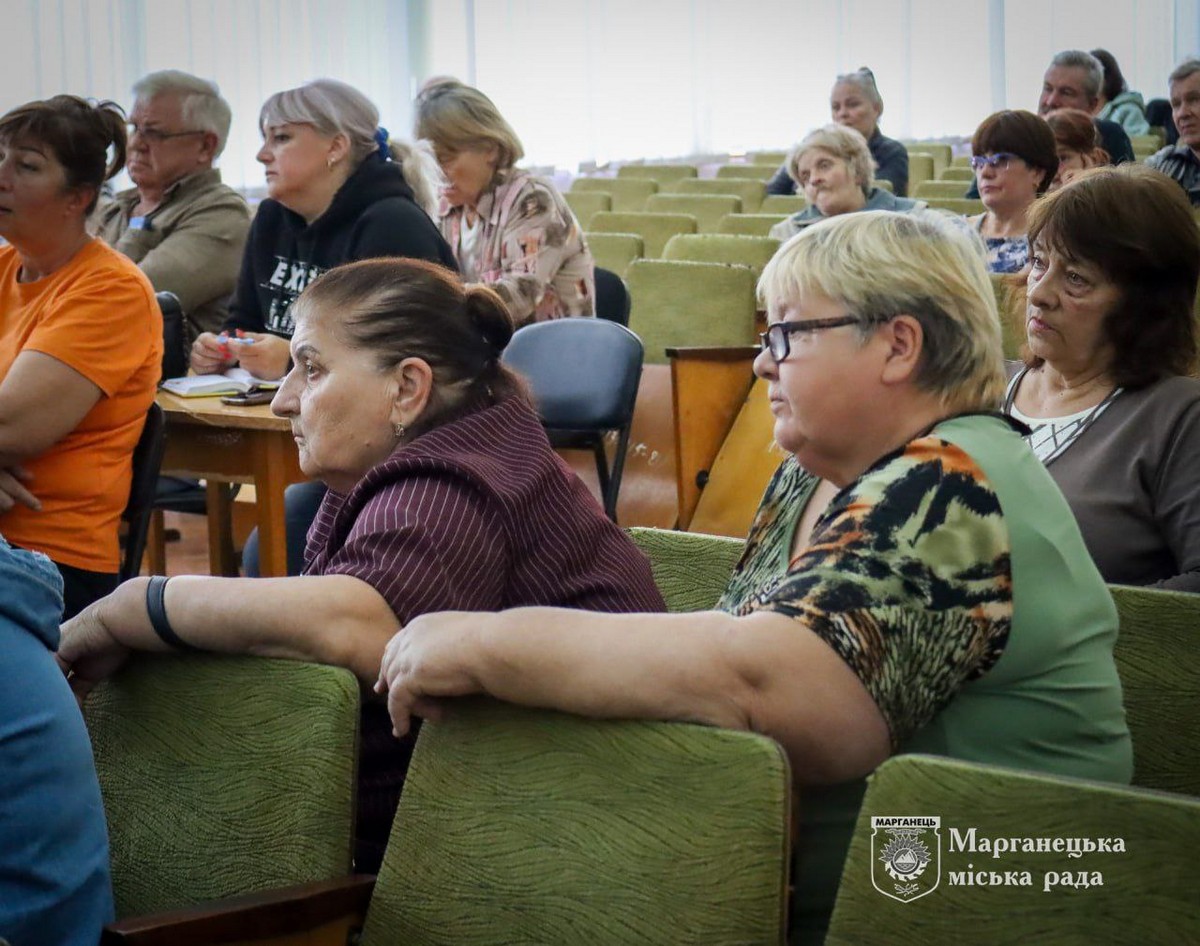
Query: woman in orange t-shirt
x=80 y=344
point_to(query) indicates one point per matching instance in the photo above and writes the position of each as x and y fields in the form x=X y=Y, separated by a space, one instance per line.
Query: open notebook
x=233 y=381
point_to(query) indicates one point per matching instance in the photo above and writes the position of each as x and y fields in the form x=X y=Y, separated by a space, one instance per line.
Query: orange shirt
x=98 y=315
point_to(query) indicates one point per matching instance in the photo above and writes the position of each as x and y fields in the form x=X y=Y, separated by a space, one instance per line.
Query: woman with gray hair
x=508 y=229
x=941 y=601
x=856 y=103
x=833 y=167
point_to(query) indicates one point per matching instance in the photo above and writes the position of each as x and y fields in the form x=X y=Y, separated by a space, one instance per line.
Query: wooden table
x=223 y=444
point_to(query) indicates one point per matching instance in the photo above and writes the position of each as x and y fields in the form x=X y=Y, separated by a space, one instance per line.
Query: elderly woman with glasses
x=934 y=596
x=1015 y=161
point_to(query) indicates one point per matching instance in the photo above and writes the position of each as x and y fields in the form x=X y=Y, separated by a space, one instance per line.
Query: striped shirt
x=1182 y=164
x=479 y=514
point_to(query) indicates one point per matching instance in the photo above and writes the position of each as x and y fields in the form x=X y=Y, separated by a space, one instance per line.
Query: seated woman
x=443 y=495
x=833 y=167
x=508 y=229
x=80 y=344
x=1121 y=104
x=1015 y=159
x=339 y=190
x=1078 y=144
x=1106 y=384
x=943 y=602
x=855 y=102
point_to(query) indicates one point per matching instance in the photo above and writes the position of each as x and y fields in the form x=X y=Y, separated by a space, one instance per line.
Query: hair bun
x=489 y=314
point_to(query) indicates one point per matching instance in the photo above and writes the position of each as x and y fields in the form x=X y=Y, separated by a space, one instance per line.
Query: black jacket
x=373 y=214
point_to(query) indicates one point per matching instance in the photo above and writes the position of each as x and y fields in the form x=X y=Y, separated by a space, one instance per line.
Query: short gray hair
x=842 y=142
x=200 y=101
x=332 y=108
x=1186 y=69
x=864 y=80
x=1093 y=69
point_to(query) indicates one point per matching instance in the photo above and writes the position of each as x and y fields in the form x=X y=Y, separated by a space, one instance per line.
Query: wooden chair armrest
x=338 y=905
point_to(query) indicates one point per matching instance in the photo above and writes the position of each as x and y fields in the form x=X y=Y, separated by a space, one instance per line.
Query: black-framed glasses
x=157 y=136
x=776 y=338
x=999 y=161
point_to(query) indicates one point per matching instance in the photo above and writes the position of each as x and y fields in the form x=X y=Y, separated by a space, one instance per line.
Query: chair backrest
x=615 y=251
x=584 y=372
x=941 y=153
x=751 y=193
x=963 y=206
x=749 y=224
x=1160 y=676
x=773 y=158
x=941 y=189
x=627 y=193
x=612 y=297
x=175 y=336
x=757 y=172
x=920 y=168
x=654 y=228
x=1148 y=893
x=224 y=775
x=658 y=172
x=783 y=204
x=1010 y=307
x=690 y=569
x=708 y=209
x=752 y=251
x=525 y=826
x=585 y=203
x=958 y=172
x=678 y=304
x=147 y=460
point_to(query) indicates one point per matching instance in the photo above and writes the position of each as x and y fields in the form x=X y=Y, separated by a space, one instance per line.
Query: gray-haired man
x=1181 y=161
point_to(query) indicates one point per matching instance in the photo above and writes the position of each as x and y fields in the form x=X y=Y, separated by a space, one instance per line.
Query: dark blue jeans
x=300 y=503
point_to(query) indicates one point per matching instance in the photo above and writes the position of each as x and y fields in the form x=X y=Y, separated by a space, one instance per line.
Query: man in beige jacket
x=179 y=223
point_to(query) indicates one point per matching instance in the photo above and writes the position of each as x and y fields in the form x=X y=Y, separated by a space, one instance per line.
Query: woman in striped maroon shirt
x=444 y=495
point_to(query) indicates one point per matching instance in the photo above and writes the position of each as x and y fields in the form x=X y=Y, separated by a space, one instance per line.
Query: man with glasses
x=179 y=223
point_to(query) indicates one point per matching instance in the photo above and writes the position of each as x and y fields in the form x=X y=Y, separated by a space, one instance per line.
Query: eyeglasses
x=999 y=161
x=776 y=338
x=154 y=136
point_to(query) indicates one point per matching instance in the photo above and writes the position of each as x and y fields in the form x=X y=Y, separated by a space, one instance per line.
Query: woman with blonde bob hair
x=833 y=168
x=867 y=617
x=508 y=229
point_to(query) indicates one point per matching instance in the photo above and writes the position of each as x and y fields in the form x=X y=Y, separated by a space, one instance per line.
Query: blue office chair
x=585 y=375
x=147 y=458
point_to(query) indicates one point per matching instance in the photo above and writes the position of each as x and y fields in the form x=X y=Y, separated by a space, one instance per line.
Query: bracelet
x=156 y=608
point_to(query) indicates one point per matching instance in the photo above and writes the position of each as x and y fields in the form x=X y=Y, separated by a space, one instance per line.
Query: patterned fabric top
x=908 y=575
x=1180 y=163
x=1004 y=254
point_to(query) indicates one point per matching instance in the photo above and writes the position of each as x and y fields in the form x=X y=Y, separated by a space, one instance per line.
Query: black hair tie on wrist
x=156 y=607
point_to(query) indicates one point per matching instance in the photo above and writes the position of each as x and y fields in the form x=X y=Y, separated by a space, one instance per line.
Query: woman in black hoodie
x=339 y=191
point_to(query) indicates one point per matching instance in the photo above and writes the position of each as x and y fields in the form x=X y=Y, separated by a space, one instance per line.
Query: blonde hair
x=457 y=117
x=332 y=108
x=880 y=264
x=842 y=142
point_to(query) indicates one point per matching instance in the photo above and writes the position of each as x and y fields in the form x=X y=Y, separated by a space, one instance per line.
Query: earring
x=398 y=430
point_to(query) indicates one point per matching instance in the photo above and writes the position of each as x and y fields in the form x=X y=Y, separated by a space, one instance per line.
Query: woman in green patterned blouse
x=914 y=581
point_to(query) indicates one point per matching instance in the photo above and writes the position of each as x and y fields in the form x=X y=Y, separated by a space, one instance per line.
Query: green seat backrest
x=1156 y=655
x=679 y=305
x=224 y=775
x=662 y=173
x=749 y=224
x=941 y=189
x=1010 y=307
x=963 y=206
x=615 y=251
x=783 y=204
x=774 y=158
x=920 y=168
x=751 y=193
x=941 y=153
x=961 y=161
x=1148 y=893
x=958 y=172
x=884 y=184
x=752 y=251
x=526 y=826
x=690 y=569
x=708 y=209
x=585 y=203
x=654 y=228
x=757 y=172
x=628 y=194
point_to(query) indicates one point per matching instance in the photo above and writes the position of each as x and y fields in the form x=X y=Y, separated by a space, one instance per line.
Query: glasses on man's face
x=156 y=136
x=999 y=161
x=776 y=339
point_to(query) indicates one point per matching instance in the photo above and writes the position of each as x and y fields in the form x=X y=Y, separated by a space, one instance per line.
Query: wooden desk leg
x=270 y=465
x=222 y=559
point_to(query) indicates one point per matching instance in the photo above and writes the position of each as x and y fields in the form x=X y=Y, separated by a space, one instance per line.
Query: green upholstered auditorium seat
x=958 y=173
x=920 y=168
x=750 y=224
x=751 y=251
x=690 y=569
x=783 y=204
x=757 y=172
x=615 y=251
x=751 y=193
x=943 y=188
x=628 y=194
x=941 y=153
x=1010 y=307
x=963 y=206
x=708 y=209
x=654 y=228
x=585 y=203
x=662 y=173
x=775 y=158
